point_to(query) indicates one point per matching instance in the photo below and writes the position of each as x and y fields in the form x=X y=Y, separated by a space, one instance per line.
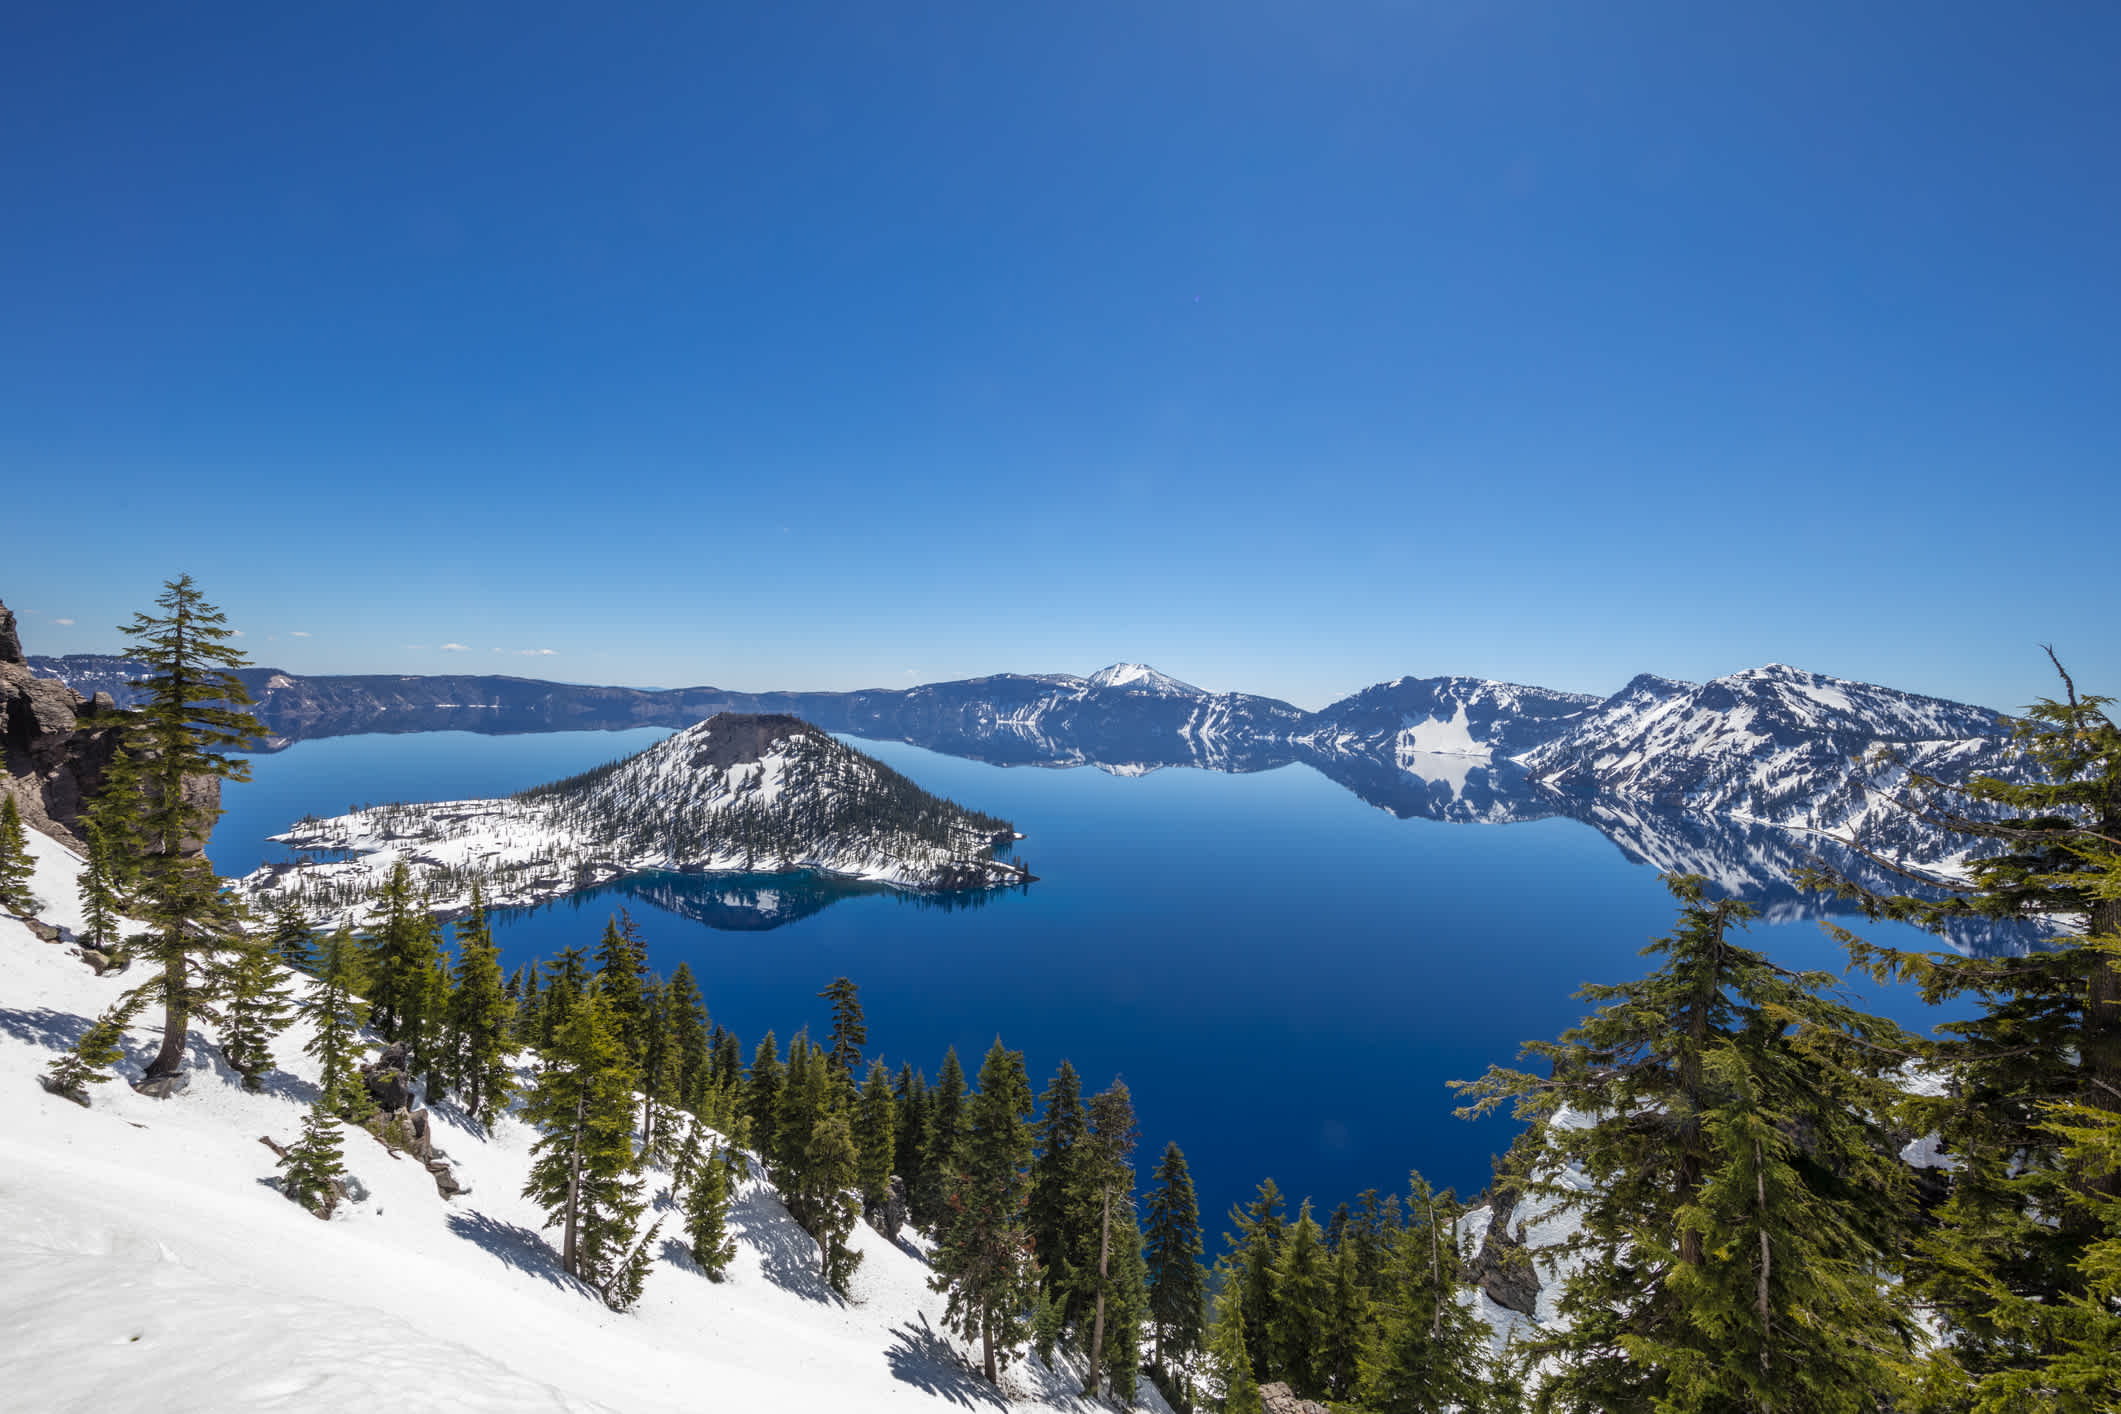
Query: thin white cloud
x=237 y=632
x=455 y=648
x=534 y=652
x=299 y=633
x=64 y=623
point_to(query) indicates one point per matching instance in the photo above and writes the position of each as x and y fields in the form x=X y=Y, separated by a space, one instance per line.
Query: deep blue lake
x=1285 y=976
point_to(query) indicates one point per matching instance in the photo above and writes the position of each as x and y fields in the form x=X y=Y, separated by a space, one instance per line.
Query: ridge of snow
x=1140 y=677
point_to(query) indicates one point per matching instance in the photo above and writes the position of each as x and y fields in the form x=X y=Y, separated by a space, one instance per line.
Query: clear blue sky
x=1288 y=347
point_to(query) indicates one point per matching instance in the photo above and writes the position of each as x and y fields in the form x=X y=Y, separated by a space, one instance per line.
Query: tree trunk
x=175 y=1018
x=570 y=1256
x=986 y=1345
x=1097 y=1337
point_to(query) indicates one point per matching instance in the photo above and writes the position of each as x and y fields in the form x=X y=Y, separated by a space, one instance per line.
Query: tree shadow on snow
x=919 y=1356
x=42 y=1026
x=516 y=1246
x=786 y=1252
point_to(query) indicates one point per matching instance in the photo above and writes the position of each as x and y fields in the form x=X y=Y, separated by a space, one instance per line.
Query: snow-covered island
x=737 y=793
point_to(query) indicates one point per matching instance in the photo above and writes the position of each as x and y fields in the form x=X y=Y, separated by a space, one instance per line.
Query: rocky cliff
x=57 y=742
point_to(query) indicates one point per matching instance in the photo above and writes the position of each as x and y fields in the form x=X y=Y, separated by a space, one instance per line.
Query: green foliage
x=336 y=1014
x=686 y=1032
x=1298 y=1327
x=100 y=897
x=622 y=970
x=479 y=1017
x=256 y=1006
x=849 y=1034
x=16 y=866
x=706 y=1186
x=583 y=1172
x=876 y=1136
x=1255 y=1249
x=762 y=1094
x=99 y=1048
x=1176 y=1283
x=397 y=947
x=983 y=1257
x=1428 y=1353
x=945 y=1103
x=313 y=1165
x=910 y=1128
x=1106 y=1199
x=292 y=938
x=828 y=1196
x=1229 y=1357
x=1058 y=1239
x=1737 y=1185
x=190 y=712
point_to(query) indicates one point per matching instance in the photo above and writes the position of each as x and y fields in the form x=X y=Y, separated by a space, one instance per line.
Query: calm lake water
x=1285 y=976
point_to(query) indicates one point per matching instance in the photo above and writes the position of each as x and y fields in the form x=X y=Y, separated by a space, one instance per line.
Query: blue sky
x=1288 y=347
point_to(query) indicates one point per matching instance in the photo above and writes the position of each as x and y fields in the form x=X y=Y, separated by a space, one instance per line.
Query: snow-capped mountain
x=737 y=793
x=1447 y=716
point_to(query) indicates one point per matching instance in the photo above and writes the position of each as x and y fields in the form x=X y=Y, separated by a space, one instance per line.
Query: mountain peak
x=1140 y=677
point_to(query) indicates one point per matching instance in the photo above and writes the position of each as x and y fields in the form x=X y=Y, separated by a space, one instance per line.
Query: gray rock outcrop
x=889 y=1216
x=1278 y=1398
x=1503 y=1268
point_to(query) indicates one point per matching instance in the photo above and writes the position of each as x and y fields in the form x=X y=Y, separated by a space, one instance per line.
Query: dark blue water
x=1285 y=977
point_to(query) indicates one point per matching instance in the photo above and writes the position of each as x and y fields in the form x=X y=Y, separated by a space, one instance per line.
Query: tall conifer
x=480 y=1015
x=876 y=1137
x=255 y=1007
x=983 y=1257
x=1107 y=1184
x=849 y=1034
x=16 y=866
x=1175 y=1280
x=1057 y=1239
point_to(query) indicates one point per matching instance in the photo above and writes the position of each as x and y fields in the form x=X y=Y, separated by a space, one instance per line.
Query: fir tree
x=190 y=712
x=983 y=1258
x=1255 y=1249
x=762 y=1094
x=16 y=866
x=1108 y=1183
x=727 y=1067
x=1346 y=1322
x=1126 y=1305
x=685 y=1023
x=100 y=901
x=583 y=1172
x=849 y=1035
x=312 y=1167
x=1229 y=1359
x=1301 y=1282
x=89 y=1061
x=292 y=938
x=1057 y=1239
x=1741 y=1201
x=622 y=967
x=1175 y=1280
x=828 y=1196
x=939 y=1143
x=336 y=1015
x=2006 y=1259
x=398 y=948
x=706 y=1203
x=876 y=1137
x=256 y=1006
x=429 y=1030
x=805 y=1094
x=479 y=1014
x=1428 y=1356
x=567 y=979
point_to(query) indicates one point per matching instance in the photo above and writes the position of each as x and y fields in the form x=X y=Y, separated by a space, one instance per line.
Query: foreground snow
x=144 y=1256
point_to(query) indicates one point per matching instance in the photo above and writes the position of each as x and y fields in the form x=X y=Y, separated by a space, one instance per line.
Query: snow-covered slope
x=736 y=793
x=146 y=1262
x=1452 y=716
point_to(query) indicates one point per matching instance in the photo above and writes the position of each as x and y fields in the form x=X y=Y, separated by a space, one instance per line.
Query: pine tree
x=1228 y=1356
x=2006 y=1258
x=939 y=1144
x=1175 y=1280
x=89 y=1061
x=1057 y=1239
x=1301 y=1282
x=16 y=866
x=1347 y=1324
x=336 y=1015
x=256 y=1006
x=849 y=1035
x=397 y=949
x=428 y=1029
x=1741 y=1203
x=479 y=1015
x=685 y=1020
x=1107 y=1183
x=622 y=968
x=100 y=901
x=830 y=1171
x=876 y=1137
x=567 y=979
x=1126 y=1305
x=190 y=711
x=292 y=938
x=313 y=1165
x=1255 y=1248
x=726 y=1070
x=1429 y=1354
x=706 y=1202
x=983 y=1258
x=762 y=1094
x=805 y=1094
x=583 y=1172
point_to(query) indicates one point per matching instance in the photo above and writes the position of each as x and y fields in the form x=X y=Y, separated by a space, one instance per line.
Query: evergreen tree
x=828 y=1196
x=336 y=1015
x=100 y=900
x=876 y=1137
x=685 y=1023
x=1126 y=1305
x=762 y=1095
x=1229 y=1358
x=805 y=1095
x=2007 y=1256
x=983 y=1257
x=706 y=1202
x=398 y=948
x=428 y=1028
x=1255 y=1249
x=849 y=1035
x=1107 y=1183
x=256 y=1006
x=1741 y=1202
x=89 y=1061
x=1301 y=1283
x=727 y=1067
x=583 y=1172
x=1057 y=1240
x=479 y=1015
x=190 y=711
x=622 y=968
x=910 y=1095
x=292 y=939
x=1429 y=1354
x=567 y=979
x=16 y=867
x=939 y=1143
x=313 y=1165
x=1175 y=1280
x=1347 y=1323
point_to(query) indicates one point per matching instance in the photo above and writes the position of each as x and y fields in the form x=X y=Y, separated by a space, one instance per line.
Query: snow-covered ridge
x=736 y=793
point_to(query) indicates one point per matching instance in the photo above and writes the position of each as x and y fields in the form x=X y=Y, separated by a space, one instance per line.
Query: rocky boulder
x=1503 y=1268
x=889 y=1216
x=1278 y=1398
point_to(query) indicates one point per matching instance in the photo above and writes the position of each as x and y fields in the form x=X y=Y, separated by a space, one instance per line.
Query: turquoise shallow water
x=1285 y=976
